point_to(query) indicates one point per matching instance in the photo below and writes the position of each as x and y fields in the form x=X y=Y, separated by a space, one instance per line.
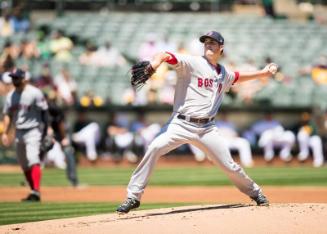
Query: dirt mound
x=234 y=218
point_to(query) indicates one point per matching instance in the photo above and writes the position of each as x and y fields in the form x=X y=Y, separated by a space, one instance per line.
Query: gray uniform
x=199 y=91
x=25 y=110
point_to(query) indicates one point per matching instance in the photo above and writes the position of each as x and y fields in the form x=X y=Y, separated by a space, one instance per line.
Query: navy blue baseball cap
x=213 y=35
x=17 y=73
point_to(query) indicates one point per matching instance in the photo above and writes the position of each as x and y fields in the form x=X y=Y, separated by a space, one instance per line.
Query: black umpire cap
x=213 y=35
x=17 y=73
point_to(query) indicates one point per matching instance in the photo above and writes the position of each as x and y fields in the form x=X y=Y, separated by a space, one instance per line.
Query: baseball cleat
x=261 y=200
x=127 y=205
x=32 y=197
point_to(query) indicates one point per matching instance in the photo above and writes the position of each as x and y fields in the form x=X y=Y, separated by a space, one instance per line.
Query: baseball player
x=26 y=108
x=200 y=87
x=308 y=137
x=57 y=122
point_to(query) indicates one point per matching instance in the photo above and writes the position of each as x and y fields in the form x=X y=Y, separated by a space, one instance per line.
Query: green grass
x=187 y=176
x=14 y=212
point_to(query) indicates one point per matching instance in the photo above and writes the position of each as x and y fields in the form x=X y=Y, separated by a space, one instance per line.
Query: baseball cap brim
x=204 y=37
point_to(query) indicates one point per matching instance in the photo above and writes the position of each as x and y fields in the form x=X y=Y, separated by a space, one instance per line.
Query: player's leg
x=213 y=144
x=316 y=146
x=199 y=155
x=303 y=139
x=174 y=136
x=57 y=156
x=244 y=149
x=161 y=145
x=266 y=142
x=286 y=140
x=32 y=140
x=21 y=158
x=71 y=164
x=89 y=136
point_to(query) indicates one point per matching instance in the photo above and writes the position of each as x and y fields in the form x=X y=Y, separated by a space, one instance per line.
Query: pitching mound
x=235 y=218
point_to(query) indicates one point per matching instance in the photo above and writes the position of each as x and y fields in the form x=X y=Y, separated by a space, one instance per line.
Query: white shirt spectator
x=66 y=87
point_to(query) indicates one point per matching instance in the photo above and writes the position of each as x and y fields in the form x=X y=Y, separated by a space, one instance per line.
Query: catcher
x=26 y=108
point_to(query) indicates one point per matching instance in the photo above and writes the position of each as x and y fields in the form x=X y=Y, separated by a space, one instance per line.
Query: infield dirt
x=219 y=218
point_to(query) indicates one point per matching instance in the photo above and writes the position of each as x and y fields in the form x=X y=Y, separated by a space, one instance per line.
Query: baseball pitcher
x=200 y=88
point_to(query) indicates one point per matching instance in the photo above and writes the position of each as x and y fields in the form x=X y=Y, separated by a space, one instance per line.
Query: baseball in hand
x=272 y=68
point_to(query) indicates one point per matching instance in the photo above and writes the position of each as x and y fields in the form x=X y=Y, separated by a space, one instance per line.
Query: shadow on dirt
x=179 y=211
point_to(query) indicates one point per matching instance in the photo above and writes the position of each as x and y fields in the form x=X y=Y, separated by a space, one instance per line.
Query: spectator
x=10 y=49
x=6 y=26
x=89 y=56
x=19 y=21
x=43 y=47
x=166 y=44
x=45 y=81
x=318 y=70
x=61 y=46
x=28 y=50
x=67 y=87
x=148 y=48
x=308 y=137
x=109 y=56
x=268 y=6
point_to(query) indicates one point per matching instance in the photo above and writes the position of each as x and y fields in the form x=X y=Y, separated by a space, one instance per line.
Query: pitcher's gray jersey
x=200 y=86
x=24 y=108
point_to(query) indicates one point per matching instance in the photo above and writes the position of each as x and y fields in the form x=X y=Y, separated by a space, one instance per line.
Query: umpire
x=26 y=108
x=57 y=122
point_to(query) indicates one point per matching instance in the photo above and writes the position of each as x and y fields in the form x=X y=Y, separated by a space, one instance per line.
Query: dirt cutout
x=220 y=218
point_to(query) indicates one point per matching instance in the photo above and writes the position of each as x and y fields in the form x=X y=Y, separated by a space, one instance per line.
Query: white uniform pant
x=207 y=138
x=28 y=142
x=235 y=143
x=277 y=137
x=89 y=136
x=56 y=156
x=306 y=141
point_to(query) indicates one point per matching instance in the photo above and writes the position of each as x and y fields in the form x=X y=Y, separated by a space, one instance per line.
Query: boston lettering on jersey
x=17 y=107
x=208 y=83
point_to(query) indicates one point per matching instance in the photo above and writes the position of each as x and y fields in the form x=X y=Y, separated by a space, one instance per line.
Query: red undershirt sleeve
x=172 y=60
x=237 y=76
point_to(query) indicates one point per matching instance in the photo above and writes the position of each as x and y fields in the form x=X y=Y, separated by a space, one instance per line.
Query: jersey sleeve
x=179 y=61
x=230 y=79
x=41 y=101
x=6 y=106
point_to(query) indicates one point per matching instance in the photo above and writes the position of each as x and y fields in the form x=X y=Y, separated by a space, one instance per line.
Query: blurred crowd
x=54 y=45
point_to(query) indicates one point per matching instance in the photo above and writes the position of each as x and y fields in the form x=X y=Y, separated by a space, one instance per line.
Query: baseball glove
x=140 y=73
x=47 y=144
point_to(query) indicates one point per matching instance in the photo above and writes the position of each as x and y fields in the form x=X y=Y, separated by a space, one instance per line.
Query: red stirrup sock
x=36 y=177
